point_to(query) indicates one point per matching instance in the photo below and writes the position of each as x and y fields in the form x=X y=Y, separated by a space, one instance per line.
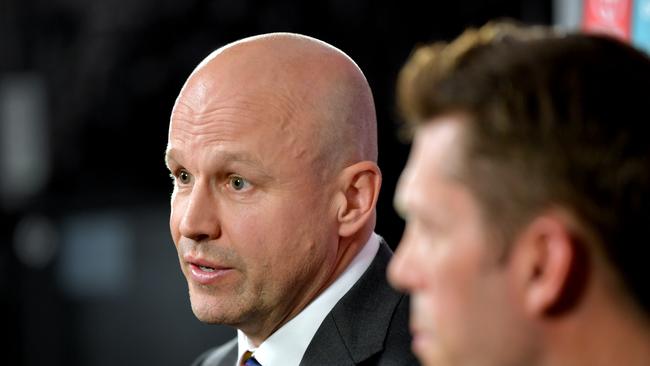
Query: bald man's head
x=273 y=149
x=325 y=96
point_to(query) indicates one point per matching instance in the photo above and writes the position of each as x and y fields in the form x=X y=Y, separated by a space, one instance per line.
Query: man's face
x=462 y=312
x=253 y=222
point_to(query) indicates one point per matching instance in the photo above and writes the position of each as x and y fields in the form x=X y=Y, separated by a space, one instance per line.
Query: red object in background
x=608 y=16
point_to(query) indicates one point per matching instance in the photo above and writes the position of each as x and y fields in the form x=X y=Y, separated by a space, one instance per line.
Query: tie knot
x=249 y=360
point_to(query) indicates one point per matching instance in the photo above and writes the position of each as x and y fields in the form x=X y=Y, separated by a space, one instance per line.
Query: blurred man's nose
x=200 y=220
x=403 y=270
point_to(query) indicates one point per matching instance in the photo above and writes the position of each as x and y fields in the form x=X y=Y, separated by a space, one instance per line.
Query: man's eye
x=184 y=177
x=238 y=183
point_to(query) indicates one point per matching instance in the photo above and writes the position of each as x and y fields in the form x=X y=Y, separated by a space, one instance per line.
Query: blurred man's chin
x=428 y=359
x=431 y=355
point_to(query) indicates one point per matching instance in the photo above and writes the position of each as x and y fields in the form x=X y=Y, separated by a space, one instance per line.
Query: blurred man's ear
x=359 y=185
x=548 y=264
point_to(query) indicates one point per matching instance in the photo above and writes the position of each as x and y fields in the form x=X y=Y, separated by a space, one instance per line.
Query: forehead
x=235 y=87
x=437 y=148
x=229 y=114
x=218 y=117
x=244 y=83
x=433 y=164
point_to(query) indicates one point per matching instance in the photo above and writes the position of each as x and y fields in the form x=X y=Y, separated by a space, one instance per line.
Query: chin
x=428 y=358
x=208 y=314
x=212 y=309
x=431 y=360
x=433 y=355
x=206 y=308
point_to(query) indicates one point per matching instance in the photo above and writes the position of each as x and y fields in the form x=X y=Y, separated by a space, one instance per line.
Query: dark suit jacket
x=368 y=326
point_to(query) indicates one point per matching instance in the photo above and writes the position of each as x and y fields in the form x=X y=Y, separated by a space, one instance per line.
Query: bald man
x=273 y=152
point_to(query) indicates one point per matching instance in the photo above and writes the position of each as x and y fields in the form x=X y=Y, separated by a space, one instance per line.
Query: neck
x=348 y=248
x=607 y=330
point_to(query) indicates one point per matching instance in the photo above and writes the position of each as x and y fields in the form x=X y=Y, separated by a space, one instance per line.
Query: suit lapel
x=226 y=355
x=230 y=358
x=356 y=328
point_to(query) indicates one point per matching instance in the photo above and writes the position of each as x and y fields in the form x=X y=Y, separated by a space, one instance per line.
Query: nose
x=403 y=269
x=200 y=218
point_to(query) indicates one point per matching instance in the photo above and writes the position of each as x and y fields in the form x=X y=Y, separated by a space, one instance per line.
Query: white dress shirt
x=288 y=344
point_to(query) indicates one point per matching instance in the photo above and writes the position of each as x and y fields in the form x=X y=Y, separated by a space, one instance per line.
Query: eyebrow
x=227 y=157
x=168 y=153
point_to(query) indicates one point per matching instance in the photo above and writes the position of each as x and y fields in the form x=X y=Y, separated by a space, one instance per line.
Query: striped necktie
x=249 y=360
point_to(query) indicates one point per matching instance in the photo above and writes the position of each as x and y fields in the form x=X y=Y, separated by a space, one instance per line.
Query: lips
x=420 y=341
x=205 y=272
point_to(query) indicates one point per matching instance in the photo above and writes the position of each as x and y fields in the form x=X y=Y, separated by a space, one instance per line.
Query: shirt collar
x=288 y=344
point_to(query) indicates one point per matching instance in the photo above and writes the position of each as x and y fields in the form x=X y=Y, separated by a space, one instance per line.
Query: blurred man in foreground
x=273 y=152
x=527 y=200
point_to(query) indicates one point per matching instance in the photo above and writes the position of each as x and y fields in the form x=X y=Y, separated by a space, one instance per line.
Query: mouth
x=420 y=340
x=205 y=272
x=204 y=268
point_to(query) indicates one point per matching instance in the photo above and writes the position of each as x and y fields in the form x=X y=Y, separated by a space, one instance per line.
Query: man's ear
x=359 y=185
x=548 y=264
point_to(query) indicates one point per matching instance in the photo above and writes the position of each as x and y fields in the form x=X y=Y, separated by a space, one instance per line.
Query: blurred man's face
x=461 y=312
x=252 y=221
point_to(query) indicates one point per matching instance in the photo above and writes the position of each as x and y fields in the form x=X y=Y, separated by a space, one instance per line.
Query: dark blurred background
x=88 y=272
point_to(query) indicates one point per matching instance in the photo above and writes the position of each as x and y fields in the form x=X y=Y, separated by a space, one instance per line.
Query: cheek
x=284 y=240
x=248 y=229
x=452 y=276
x=264 y=233
x=277 y=234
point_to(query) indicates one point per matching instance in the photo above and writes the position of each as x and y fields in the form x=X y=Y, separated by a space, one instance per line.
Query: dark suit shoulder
x=397 y=345
x=368 y=326
x=224 y=355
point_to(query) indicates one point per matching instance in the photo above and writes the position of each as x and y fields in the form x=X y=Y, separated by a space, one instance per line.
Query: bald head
x=320 y=96
x=272 y=147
